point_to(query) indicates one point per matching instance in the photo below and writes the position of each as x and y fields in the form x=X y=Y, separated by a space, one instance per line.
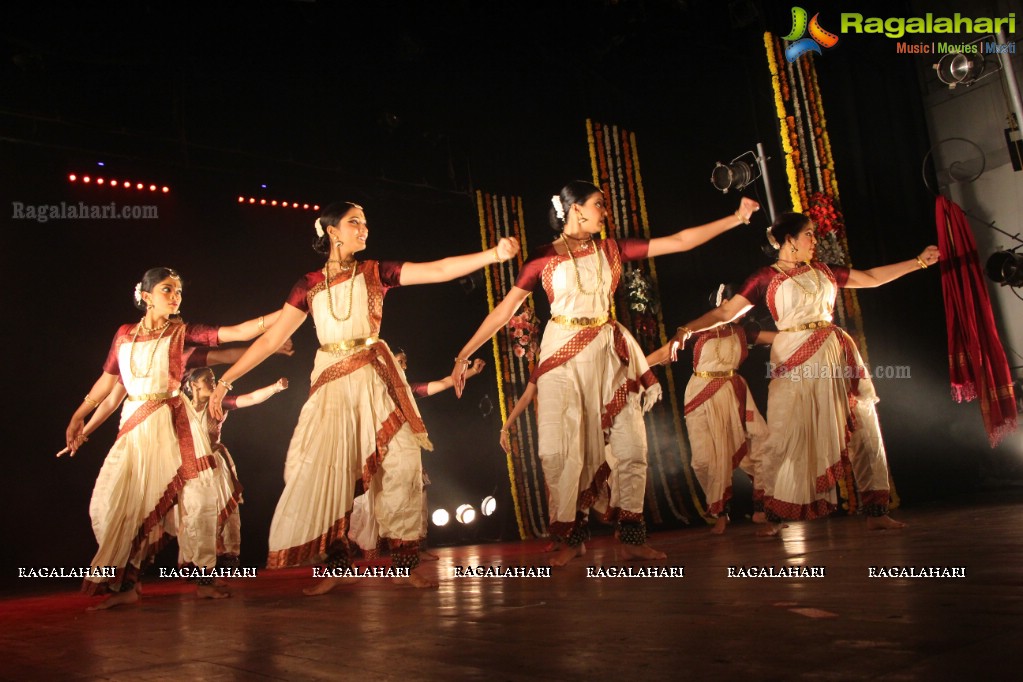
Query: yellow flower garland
x=481 y=210
x=783 y=125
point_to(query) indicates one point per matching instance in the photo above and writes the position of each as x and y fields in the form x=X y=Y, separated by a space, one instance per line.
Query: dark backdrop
x=408 y=108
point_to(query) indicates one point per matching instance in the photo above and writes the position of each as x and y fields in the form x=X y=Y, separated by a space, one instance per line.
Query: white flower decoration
x=721 y=293
x=559 y=210
x=138 y=292
x=319 y=230
x=772 y=241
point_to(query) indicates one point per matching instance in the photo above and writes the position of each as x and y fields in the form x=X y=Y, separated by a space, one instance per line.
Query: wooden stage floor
x=703 y=626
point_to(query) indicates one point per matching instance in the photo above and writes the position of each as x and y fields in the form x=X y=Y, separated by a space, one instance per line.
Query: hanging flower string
x=785 y=132
x=614 y=159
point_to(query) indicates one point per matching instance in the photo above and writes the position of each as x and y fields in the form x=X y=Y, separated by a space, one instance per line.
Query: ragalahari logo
x=818 y=36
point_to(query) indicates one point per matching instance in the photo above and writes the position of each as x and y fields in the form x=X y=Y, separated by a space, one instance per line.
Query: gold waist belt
x=723 y=374
x=155 y=396
x=349 y=344
x=579 y=321
x=817 y=324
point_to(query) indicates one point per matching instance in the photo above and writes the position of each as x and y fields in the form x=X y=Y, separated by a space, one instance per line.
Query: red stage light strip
x=76 y=178
x=275 y=203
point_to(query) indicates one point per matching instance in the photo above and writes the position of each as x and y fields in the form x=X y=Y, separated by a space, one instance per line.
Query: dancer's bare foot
x=567 y=553
x=118 y=599
x=328 y=584
x=552 y=546
x=883 y=523
x=759 y=517
x=719 y=525
x=642 y=552
x=416 y=579
x=425 y=555
x=770 y=529
x=211 y=592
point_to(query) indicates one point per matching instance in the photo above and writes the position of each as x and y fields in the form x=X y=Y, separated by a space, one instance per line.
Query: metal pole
x=1015 y=102
x=762 y=162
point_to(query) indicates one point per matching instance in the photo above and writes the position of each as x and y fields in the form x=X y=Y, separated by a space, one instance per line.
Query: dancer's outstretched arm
x=498 y=317
x=691 y=237
x=447 y=269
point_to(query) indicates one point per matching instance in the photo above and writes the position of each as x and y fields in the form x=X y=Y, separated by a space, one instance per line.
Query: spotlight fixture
x=1006 y=268
x=440 y=517
x=959 y=69
x=488 y=506
x=465 y=514
x=736 y=174
x=964 y=68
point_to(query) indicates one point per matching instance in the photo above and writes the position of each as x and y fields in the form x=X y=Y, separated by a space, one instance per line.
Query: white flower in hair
x=138 y=292
x=559 y=209
x=319 y=230
x=772 y=241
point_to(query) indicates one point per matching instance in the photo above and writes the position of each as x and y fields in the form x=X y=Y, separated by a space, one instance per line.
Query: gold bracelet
x=744 y=221
x=687 y=330
x=463 y=361
x=262 y=326
x=92 y=401
x=497 y=258
x=921 y=263
x=226 y=383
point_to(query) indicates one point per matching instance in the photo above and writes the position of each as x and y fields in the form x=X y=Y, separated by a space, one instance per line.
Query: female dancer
x=725 y=427
x=161 y=457
x=820 y=409
x=592 y=376
x=198 y=385
x=360 y=423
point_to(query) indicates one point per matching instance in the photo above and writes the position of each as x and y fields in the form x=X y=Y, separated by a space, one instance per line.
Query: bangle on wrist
x=686 y=330
x=497 y=257
x=262 y=325
x=92 y=401
x=744 y=221
x=463 y=361
x=226 y=384
x=920 y=263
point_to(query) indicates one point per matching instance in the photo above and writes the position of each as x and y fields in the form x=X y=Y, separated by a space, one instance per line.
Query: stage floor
x=705 y=626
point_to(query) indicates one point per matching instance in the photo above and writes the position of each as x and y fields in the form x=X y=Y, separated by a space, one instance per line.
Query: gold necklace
x=575 y=266
x=718 y=343
x=816 y=272
x=351 y=288
x=152 y=354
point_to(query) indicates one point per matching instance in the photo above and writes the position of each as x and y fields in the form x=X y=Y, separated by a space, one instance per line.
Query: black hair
x=330 y=216
x=153 y=277
x=575 y=192
x=729 y=291
x=194 y=376
x=785 y=225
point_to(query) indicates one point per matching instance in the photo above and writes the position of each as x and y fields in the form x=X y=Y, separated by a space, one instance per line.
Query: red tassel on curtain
x=977 y=363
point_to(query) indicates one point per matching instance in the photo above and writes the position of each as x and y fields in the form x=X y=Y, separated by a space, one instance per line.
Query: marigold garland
x=513 y=362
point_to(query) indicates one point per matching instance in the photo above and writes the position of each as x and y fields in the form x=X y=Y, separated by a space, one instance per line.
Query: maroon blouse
x=532 y=272
x=390 y=277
